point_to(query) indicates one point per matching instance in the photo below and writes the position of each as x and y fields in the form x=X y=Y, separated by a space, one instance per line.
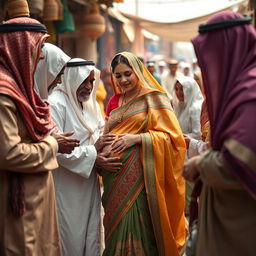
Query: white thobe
x=76 y=183
x=190 y=123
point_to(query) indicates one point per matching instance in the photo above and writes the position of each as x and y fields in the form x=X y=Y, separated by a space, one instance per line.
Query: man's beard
x=84 y=95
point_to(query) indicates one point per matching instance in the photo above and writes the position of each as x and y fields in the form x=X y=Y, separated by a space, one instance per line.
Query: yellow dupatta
x=162 y=157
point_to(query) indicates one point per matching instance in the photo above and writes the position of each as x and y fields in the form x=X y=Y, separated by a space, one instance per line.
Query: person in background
x=161 y=67
x=151 y=68
x=226 y=53
x=47 y=75
x=50 y=69
x=28 y=219
x=187 y=102
x=144 y=201
x=186 y=68
x=74 y=107
x=168 y=80
x=196 y=147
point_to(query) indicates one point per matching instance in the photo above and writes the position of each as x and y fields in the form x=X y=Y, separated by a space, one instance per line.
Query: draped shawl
x=48 y=68
x=20 y=53
x=227 y=58
x=192 y=104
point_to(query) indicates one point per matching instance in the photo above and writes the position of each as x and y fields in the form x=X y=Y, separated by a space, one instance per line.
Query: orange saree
x=144 y=201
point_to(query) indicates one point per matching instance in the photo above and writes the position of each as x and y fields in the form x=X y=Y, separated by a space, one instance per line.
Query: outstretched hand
x=66 y=144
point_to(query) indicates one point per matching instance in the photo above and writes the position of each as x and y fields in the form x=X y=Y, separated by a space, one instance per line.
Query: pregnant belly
x=108 y=148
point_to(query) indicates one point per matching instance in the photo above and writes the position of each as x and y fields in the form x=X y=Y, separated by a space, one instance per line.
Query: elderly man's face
x=84 y=91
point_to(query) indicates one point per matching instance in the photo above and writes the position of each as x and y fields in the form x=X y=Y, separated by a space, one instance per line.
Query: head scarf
x=49 y=67
x=227 y=58
x=193 y=98
x=146 y=79
x=20 y=52
x=73 y=77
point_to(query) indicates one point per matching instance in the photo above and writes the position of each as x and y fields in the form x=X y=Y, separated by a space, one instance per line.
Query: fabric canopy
x=177 y=31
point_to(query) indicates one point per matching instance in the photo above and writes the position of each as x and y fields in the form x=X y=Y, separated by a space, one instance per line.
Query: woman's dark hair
x=119 y=59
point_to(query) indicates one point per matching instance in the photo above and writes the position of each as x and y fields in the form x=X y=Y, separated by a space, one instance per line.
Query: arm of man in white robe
x=81 y=160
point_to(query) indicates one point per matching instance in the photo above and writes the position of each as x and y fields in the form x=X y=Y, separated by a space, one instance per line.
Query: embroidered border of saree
x=124 y=191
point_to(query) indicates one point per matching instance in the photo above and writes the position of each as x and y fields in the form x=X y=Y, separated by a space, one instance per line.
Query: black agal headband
x=205 y=28
x=14 y=27
x=80 y=63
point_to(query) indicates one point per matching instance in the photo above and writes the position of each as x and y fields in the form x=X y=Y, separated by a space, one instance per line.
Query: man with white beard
x=74 y=107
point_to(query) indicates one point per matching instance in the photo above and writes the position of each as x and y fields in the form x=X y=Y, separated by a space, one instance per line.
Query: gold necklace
x=120 y=119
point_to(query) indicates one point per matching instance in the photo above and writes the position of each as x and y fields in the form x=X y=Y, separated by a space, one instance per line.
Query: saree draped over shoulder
x=144 y=200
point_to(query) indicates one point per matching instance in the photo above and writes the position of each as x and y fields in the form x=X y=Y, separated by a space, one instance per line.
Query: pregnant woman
x=144 y=200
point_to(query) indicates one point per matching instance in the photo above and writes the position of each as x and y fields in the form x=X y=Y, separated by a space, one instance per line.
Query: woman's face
x=125 y=77
x=179 y=91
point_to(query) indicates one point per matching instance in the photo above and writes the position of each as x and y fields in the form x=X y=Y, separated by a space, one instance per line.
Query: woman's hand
x=190 y=169
x=111 y=164
x=125 y=141
x=104 y=140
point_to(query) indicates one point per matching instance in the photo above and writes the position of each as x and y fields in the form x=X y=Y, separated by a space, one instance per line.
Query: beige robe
x=36 y=232
x=227 y=220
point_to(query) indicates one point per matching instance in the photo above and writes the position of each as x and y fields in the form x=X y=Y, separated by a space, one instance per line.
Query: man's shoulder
x=57 y=97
